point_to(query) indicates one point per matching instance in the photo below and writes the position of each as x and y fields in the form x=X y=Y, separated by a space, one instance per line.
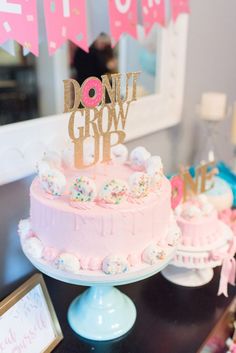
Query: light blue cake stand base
x=107 y=313
x=102 y=312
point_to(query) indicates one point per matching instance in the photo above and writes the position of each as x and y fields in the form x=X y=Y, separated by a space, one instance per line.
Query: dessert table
x=171 y=319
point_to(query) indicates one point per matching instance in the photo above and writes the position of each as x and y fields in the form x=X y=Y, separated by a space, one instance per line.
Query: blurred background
x=31 y=87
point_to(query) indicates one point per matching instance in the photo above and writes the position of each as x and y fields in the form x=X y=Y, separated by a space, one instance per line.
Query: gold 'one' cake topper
x=185 y=186
x=201 y=182
x=89 y=104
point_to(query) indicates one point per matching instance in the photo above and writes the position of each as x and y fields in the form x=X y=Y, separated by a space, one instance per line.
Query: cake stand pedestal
x=102 y=312
x=188 y=277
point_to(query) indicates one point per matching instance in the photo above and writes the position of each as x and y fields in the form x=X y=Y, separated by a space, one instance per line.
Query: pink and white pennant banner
x=178 y=7
x=153 y=12
x=19 y=21
x=65 y=19
x=123 y=18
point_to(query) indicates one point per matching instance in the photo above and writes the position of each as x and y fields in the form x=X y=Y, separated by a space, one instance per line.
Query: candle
x=233 y=129
x=213 y=106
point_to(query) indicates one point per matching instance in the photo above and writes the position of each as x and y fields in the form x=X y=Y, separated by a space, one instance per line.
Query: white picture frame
x=22 y=144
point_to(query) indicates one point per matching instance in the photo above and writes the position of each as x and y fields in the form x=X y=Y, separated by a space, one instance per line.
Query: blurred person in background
x=100 y=59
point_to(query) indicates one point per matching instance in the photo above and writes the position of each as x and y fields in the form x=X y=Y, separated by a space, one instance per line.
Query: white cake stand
x=102 y=312
x=192 y=274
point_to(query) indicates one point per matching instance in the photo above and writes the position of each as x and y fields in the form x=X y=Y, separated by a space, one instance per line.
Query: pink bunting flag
x=19 y=21
x=123 y=18
x=153 y=12
x=65 y=19
x=178 y=7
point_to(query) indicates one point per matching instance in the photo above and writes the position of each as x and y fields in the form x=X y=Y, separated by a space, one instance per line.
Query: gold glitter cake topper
x=98 y=110
x=185 y=186
x=202 y=181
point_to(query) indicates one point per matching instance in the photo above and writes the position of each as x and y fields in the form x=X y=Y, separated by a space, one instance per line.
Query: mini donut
x=83 y=189
x=154 y=165
x=34 y=247
x=138 y=158
x=52 y=181
x=119 y=153
x=114 y=264
x=139 y=184
x=153 y=254
x=113 y=191
x=67 y=262
x=191 y=211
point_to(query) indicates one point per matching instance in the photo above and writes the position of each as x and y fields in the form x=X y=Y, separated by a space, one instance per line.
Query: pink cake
x=199 y=223
x=108 y=217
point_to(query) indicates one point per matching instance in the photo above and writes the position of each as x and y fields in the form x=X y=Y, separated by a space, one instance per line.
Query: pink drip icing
x=102 y=227
x=77 y=222
x=112 y=225
x=133 y=225
x=153 y=219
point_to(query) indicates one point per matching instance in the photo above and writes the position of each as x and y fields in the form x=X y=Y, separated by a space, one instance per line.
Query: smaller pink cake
x=198 y=222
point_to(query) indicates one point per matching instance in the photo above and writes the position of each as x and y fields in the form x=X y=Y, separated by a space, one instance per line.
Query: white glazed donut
x=119 y=153
x=154 y=165
x=152 y=254
x=113 y=191
x=154 y=169
x=68 y=262
x=139 y=184
x=207 y=209
x=138 y=158
x=52 y=181
x=34 y=247
x=191 y=211
x=114 y=264
x=83 y=189
x=24 y=228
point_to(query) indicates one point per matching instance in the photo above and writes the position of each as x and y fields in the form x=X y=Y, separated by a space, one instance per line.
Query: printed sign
x=28 y=322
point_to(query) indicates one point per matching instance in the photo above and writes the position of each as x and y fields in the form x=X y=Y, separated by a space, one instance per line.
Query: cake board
x=192 y=274
x=102 y=312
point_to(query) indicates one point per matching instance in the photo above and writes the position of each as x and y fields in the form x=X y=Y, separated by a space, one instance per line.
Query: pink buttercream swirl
x=95 y=264
x=104 y=204
x=49 y=254
x=135 y=200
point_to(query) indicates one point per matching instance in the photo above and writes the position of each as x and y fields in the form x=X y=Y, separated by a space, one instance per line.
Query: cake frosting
x=108 y=217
